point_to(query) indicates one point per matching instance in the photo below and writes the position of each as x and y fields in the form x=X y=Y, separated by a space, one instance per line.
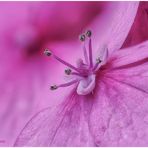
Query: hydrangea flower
x=107 y=102
x=25 y=28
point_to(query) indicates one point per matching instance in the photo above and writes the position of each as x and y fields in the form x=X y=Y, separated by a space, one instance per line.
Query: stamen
x=90 y=53
x=78 y=74
x=85 y=54
x=68 y=71
x=68 y=84
x=82 y=37
x=88 y=33
x=84 y=74
x=62 y=61
x=53 y=87
x=98 y=61
x=47 y=52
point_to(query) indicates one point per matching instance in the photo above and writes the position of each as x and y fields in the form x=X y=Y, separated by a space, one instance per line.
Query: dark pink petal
x=65 y=125
x=139 y=30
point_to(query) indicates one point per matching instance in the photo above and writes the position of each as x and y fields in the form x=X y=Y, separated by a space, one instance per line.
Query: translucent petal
x=65 y=125
x=119 y=115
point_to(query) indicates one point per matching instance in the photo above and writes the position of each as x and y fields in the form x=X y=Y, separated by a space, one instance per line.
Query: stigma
x=83 y=75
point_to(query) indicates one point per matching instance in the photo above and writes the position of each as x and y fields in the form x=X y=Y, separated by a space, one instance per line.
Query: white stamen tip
x=47 y=52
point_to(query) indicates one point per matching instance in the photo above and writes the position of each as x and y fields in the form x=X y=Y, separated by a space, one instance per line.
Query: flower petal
x=119 y=115
x=102 y=54
x=65 y=125
x=136 y=76
x=121 y=24
x=100 y=114
x=113 y=26
x=130 y=55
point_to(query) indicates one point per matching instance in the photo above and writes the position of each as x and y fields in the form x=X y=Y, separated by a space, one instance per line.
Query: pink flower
x=25 y=29
x=107 y=106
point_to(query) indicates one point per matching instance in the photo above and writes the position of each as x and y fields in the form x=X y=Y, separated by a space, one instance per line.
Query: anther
x=82 y=37
x=88 y=33
x=68 y=71
x=47 y=52
x=98 y=60
x=53 y=87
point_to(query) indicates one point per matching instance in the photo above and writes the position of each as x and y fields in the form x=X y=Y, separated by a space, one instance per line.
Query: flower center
x=84 y=74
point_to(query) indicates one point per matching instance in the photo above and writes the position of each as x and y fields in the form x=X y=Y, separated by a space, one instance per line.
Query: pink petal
x=115 y=115
x=64 y=125
x=130 y=55
x=113 y=26
x=121 y=118
x=29 y=80
x=136 y=76
x=100 y=113
x=119 y=115
x=121 y=24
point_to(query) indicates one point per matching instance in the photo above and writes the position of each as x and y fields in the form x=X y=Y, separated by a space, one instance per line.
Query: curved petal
x=64 y=125
x=113 y=26
x=121 y=24
x=100 y=114
x=86 y=86
x=119 y=115
x=130 y=55
x=115 y=115
x=139 y=31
